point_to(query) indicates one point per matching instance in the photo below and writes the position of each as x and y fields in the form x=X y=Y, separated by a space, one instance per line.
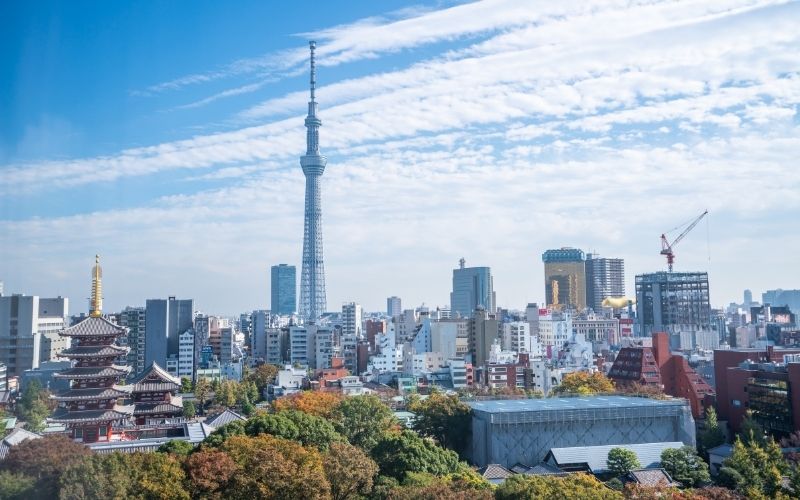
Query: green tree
x=751 y=431
x=583 y=486
x=201 y=391
x=15 y=486
x=685 y=466
x=45 y=460
x=584 y=383
x=313 y=431
x=712 y=434
x=226 y=395
x=274 y=468
x=794 y=481
x=397 y=454
x=274 y=424
x=177 y=447
x=189 y=410
x=622 y=460
x=262 y=376
x=33 y=407
x=186 y=384
x=216 y=438
x=444 y=418
x=96 y=477
x=363 y=420
x=349 y=471
x=754 y=469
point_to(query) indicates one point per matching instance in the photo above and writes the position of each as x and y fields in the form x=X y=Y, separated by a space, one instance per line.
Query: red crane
x=666 y=246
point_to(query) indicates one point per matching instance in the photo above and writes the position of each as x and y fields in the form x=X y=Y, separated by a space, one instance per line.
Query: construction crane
x=666 y=246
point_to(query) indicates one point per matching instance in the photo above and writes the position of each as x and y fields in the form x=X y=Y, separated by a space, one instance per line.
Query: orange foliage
x=318 y=403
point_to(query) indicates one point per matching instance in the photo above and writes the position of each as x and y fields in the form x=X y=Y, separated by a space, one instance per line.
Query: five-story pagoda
x=89 y=407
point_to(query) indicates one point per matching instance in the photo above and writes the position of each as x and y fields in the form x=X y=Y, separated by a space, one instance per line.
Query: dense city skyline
x=487 y=130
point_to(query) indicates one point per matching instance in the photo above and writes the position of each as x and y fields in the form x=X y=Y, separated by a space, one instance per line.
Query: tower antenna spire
x=96 y=305
x=313 y=45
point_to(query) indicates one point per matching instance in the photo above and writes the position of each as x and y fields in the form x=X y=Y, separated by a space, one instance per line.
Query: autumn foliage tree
x=349 y=470
x=580 y=485
x=45 y=460
x=209 y=473
x=319 y=403
x=272 y=468
x=584 y=383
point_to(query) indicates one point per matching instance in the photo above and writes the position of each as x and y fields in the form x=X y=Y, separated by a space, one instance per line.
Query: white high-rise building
x=517 y=338
x=186 y=354
x=555 y=329
x=29 y=329
x=352 y=318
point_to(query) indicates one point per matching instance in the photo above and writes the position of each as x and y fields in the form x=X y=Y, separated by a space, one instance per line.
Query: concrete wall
x=526 y=438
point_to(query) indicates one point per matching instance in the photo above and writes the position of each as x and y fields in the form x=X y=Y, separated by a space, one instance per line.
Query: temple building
x=154 y=400
x=89 y=408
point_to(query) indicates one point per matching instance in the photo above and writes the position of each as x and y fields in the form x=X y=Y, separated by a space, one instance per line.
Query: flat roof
x=572 y=403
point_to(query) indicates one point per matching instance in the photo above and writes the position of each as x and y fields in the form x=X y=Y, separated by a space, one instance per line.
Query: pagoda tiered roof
x=90 y=393
x=64 y=416
x=84 y=372
x=91 y=351
x=93 y=327
x=155 y=379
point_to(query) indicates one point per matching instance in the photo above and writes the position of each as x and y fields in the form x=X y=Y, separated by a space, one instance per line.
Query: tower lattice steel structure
x=312 y=280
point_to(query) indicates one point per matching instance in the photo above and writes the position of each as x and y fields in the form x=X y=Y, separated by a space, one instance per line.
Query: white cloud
x=580 y=124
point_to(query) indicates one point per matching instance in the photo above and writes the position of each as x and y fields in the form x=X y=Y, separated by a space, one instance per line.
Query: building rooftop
x=596 y=457
x=576 y=403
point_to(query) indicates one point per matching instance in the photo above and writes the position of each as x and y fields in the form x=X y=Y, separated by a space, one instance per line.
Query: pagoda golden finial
x=96 y=304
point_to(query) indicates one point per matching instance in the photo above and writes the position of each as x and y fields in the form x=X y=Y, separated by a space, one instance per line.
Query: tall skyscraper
x=284 y=290
x=29 y=328
x=472 y=287
x=564 y=278
x=604 y=278
x=312 y=279
x=394 y=306
x=165 y=321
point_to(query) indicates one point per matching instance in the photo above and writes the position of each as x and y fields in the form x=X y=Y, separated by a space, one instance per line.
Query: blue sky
x=165 y=136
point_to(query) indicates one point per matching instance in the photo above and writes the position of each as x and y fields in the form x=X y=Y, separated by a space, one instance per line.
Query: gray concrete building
x=24 y=322
x=165 y=320
x=508 y=432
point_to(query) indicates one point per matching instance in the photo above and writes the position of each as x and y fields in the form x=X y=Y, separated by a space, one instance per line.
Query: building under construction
x=677 y=303
x=510 y=432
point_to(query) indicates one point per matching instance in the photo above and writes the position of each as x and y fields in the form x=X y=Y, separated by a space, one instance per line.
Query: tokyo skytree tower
x=312 y=278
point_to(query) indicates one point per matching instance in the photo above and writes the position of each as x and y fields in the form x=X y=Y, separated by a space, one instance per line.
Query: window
x=736 y=403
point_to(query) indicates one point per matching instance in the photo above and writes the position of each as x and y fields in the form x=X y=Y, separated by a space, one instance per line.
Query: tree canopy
x=622 y=460
x=685 y=466
x=349 y=470
x=583 y=486
x=272 y=468
x=45 y=460
x=33 y=406
x=363 y=420
x=319 y=403
x=444 y=418
x=584 y=383
x=400 y=453
x=754 y=469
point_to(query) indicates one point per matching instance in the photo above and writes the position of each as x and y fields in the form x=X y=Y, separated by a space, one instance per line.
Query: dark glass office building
x=284 y=289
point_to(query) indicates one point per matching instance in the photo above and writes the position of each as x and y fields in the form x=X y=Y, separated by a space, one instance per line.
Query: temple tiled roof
x=93 y=327
x=155 y=379
x=223 y=418
x=91 y=393
x=158 y=407
x=62 y=415
x=88 y=351
x=82 y=372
